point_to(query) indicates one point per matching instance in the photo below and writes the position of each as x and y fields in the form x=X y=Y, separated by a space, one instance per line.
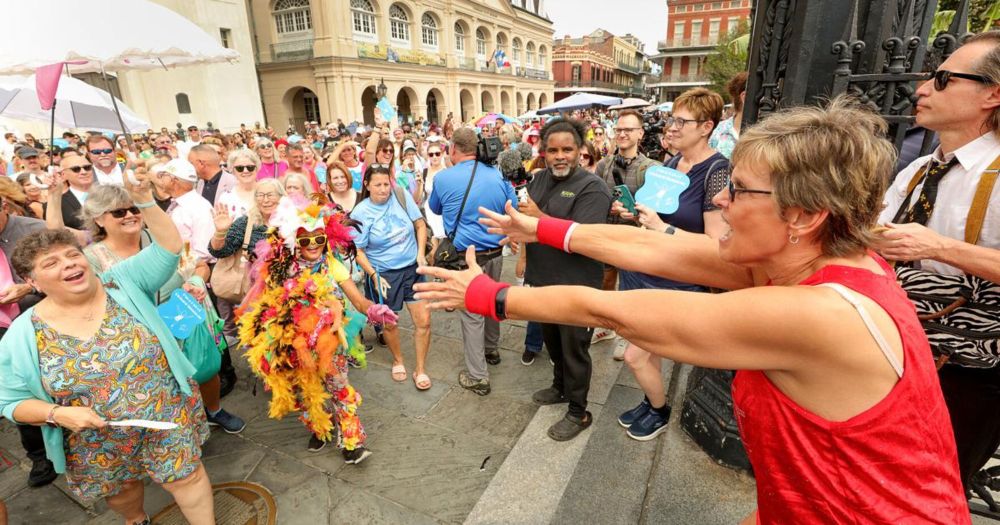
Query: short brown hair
x=989 y=67
x=630 y=113
x=702 y=103
x=465 y=140
x=736 y=86
x=32 y=245
x=94 y=139
x=835 y=159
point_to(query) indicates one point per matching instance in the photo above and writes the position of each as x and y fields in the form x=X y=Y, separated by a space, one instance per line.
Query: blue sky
x=646 y=19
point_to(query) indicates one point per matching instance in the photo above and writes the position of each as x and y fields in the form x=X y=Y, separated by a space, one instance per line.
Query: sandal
x=398 y=373
x=421 y=381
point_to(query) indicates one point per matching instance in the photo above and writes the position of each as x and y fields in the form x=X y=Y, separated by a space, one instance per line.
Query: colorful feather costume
x=298 y=328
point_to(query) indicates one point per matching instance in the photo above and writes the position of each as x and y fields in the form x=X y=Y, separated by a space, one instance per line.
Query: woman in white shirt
x=238 y=200
x=435 y=163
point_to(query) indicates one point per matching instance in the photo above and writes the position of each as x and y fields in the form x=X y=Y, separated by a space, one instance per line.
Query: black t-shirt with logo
x=583 y=198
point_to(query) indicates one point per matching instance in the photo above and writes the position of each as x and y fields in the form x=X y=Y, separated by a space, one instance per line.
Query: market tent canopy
x=78 y=105
x=579 y=101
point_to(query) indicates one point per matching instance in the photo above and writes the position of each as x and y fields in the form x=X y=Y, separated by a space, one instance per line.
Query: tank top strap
x=873 y=329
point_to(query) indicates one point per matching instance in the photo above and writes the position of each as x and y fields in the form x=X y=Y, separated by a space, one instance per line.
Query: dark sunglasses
x=434 y=154
x=78 y=169
x=240 y=169
x=318 y=240
x=120 y=213
x=105 y=151
x=943 y=76
x=733 y=190
x=264 y=146
x=387 y=150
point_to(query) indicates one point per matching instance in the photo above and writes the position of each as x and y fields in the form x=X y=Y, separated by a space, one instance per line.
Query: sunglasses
x=240 y=169
x=943 y=76
x=264 y=146
x=317 y=240
x=120 y=213
x=733 y=190
x=434 y=154
x=387 y=150
x=78 y=169
x=105 y=151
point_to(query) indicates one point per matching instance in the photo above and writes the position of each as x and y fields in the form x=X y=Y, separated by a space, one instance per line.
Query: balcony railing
x=527 y=72
x=402 y=56
x=592 y=84
x=466 y=63
x=689 y=77
x=292 y=50
x=629 y=67
x=674 y=43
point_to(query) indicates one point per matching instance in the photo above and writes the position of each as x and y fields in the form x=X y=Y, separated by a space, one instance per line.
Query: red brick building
x=600 y=63
x=694 y=29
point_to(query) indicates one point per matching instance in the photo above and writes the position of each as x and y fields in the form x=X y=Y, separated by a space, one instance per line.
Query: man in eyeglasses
x=213 y=181
x=927 y=224
x=101 y=153
x=78 y=172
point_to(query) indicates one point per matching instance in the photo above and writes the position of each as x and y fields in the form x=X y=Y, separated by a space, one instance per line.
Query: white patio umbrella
x=529 y=115
x=579 y=101
x=78 y=105
x=632 y=103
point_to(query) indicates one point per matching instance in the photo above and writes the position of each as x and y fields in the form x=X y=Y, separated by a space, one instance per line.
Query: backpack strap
x=246 y=235
x=981 y=202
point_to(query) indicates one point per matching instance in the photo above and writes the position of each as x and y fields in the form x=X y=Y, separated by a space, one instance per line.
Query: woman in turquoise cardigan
x=95 y=352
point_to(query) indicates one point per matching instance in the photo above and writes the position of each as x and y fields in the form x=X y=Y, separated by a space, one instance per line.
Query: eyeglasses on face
x=733 y=190
x=120 y=213
x=433 y=153
x=265 y=146
x=267 y=195
x=78 y=169
x=315 y=240
x=249 y=168
x=943 y=76
x=680 y=122
x=104 y=151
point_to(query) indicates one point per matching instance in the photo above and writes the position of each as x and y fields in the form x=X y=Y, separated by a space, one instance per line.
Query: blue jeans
x=533 y=337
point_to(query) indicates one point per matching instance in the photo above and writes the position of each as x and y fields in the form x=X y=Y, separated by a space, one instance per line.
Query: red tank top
x=893 y=463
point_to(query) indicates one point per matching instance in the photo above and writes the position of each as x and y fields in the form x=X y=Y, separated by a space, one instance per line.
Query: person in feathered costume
x=299 y=327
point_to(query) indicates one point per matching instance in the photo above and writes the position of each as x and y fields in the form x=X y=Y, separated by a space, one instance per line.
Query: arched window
x=529 y=54
x=183 y=104
x=480 y=43
x=363 y=16
x=399 y=24
x=502 y=43
x=459 y=39
x=292 y=16
x=542 y=57
x=428 y=31
x=576 y=74
x=515 y=51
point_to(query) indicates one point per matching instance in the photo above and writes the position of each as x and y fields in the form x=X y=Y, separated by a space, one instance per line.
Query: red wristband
x=481 y=296
x=552 y=232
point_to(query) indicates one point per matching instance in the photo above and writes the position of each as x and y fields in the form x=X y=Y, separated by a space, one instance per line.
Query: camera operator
x=457 y=194
x=566 y=191
x=627 y=166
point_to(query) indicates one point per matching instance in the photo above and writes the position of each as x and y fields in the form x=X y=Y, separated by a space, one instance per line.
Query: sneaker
x=381 y=339
x=479 y=386
x=631 y=416
x=353 y=362
x=369 y=349
x=649 y=425
x=569 y=427
x=602 y=334
x=619 y=354
x=42 y=473
x=145 y=521
x=356 y=456
x=528 y=357
x=232 y=424
x=549 y=396
x=315 y=444
x=493 y=357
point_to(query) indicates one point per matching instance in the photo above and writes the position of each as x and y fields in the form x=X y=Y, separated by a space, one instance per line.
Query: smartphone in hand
x=622 y=194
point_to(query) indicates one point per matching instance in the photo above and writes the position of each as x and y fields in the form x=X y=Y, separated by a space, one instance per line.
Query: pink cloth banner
x=47 y=83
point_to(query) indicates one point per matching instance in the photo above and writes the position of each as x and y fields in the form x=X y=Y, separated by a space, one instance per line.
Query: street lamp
x=382 y=89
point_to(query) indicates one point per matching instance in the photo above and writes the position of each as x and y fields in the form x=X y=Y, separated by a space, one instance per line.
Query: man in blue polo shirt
x=480 y=336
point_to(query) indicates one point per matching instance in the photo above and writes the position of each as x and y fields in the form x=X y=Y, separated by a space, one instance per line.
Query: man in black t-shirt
x=566 y=191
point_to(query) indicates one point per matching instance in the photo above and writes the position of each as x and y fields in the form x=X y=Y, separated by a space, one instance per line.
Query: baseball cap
x=27 y=151
x=408 y=145
x=181 y=169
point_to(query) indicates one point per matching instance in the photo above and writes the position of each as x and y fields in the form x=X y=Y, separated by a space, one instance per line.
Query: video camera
x=652 y=127
x=488 y=150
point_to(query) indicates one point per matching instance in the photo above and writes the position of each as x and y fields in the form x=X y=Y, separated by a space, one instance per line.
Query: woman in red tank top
x=836 y=396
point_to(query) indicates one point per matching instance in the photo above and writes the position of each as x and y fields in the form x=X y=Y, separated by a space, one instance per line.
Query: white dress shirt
x=193 y=216
x=115 y=177
x=955 y=193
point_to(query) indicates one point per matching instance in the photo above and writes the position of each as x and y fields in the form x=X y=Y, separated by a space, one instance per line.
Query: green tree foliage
x=982 y=15
x=729 y=58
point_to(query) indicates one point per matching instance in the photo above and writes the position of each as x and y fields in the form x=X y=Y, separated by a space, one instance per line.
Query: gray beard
x=559 y=177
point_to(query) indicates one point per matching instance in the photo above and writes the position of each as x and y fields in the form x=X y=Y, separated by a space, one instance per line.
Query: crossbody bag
x=447 y=256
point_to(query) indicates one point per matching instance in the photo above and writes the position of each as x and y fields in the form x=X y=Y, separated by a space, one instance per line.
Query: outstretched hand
x=516 y=226
x=449 y=289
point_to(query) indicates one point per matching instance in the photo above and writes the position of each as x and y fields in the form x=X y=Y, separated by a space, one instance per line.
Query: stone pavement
x=447 y=455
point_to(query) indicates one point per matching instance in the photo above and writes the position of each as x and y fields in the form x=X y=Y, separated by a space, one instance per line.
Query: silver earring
x=792 y=238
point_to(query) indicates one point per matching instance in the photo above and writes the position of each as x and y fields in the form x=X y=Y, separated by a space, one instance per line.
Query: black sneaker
x=650 y=425
x=528 y=357
x=549 y=396
x=493 y=357
x=231 y=423
x=631 y=416
x=42 y=473
x=369 y=349
x=356 y=456
x=315 y=444
x=479 y=386
x=569 y=427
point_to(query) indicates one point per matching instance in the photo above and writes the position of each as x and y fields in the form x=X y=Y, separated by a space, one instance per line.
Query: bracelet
x=50 y=420
x=670 y=230
x=555 y=232
x=223 y=236
x=144 y=205
x=481 y=297
x=500 y=306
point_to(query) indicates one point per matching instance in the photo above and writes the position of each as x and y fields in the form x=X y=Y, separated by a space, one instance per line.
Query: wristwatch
x=501 y=303
x=50 y=420
x=670 y=230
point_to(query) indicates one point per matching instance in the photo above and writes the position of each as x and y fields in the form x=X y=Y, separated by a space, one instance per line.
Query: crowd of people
x=280 y=249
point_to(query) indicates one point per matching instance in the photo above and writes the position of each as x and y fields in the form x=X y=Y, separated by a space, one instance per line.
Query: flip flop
x=398 y=373
x=421 y=379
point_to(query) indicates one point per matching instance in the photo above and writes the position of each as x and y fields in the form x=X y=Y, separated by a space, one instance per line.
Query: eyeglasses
x=598 y=133
x=680 y=121
x=387 y=150
x=434 y=154
x=240 y=169
x=78 y=169
x=943 y=76
x=268 y=195
x=627 y=131
x=317 y=240
x=120 y=213
x=733 y=190
x=264 y=146
x=105 y=151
